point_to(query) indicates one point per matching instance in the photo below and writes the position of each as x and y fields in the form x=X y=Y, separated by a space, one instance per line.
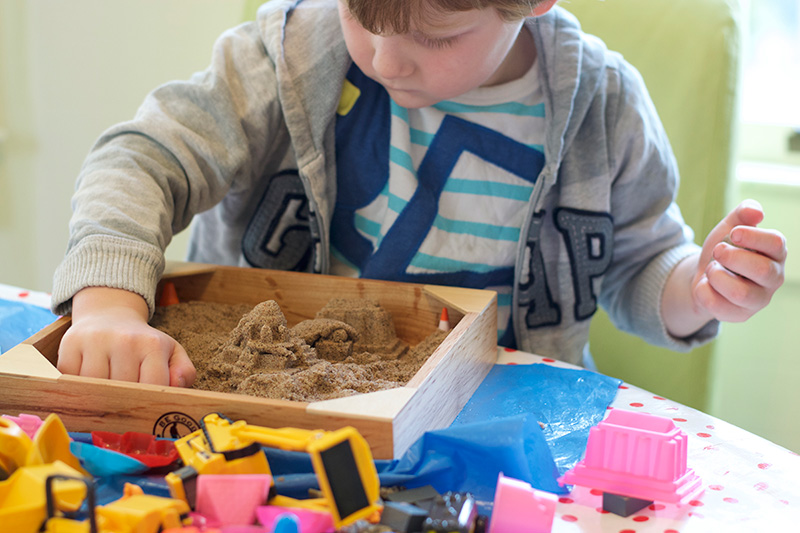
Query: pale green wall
x=755 y=375
x=68 y=70
x=16 y=146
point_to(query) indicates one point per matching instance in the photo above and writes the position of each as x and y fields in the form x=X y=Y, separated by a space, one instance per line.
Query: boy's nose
x=389 y=59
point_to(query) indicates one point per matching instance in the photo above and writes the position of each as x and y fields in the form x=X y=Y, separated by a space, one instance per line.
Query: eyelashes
x=437 y=44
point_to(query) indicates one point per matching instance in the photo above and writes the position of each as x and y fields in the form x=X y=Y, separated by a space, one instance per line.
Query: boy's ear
x=543 y=7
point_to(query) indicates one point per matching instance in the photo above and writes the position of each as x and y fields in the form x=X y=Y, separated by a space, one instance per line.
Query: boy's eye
x=437 y=43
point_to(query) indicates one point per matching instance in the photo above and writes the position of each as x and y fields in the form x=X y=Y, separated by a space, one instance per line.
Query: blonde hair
x=397 y=16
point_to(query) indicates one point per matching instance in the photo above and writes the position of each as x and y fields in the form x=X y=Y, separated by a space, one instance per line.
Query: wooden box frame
x=390 y=420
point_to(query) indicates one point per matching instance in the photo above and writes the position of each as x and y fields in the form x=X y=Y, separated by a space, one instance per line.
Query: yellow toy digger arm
x=342 y=462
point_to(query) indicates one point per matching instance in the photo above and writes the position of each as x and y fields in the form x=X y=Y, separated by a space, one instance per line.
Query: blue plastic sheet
x=568 y=402
x=20 y=320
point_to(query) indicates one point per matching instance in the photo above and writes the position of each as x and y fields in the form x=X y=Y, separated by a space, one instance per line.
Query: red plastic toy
x=146 y=448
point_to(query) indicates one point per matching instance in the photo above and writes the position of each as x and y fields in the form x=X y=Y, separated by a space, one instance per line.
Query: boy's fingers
x=153 y=370
x=748 y=213
x=181 y=370
x=744 y=295
x=771 y=243
x=710 y=299
x=124 y=367
x=750 y=264
x=94 y=365
x=717 y=304
x=69 y=361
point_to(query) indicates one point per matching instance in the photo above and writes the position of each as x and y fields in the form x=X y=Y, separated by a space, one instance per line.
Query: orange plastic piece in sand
x=169 y=296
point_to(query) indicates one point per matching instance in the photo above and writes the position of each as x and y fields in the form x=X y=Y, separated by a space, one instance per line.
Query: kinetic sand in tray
x=390 y=420
x=350 y=347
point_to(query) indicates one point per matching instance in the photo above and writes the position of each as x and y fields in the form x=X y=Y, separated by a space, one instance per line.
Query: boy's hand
x=734 y=281
x=738 y=270
x=110 y=338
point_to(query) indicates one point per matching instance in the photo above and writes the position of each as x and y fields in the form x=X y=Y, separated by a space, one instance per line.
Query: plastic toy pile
x=218 y=478
x=219 y=481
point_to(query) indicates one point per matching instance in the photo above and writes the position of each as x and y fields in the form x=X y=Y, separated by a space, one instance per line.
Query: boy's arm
x=110 y=338
x=190 y=142
x=727 y=282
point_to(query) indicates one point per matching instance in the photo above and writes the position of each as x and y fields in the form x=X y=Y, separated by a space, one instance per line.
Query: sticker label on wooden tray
x=174 y=425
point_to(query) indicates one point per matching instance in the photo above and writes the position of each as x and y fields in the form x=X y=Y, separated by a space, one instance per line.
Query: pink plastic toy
x=638 y=455
x=519 y=507
x=231 y=499
x=30 y=424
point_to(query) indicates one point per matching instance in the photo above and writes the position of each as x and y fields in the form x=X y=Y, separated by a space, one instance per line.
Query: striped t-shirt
x=439 y=194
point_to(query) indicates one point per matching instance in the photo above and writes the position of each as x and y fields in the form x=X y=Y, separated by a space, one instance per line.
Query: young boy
x=480 y=143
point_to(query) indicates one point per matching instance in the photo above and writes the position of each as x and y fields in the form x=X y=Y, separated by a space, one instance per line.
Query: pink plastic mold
x=519 y=507
x=231 y=499
x=30 y=424
x=638 y=455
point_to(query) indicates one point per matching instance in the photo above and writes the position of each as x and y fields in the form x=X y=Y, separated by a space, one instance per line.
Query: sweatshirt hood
x=303 y=60
x=572 y=67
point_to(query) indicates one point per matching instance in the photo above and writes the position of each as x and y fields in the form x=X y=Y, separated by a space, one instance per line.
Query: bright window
x=771 y=62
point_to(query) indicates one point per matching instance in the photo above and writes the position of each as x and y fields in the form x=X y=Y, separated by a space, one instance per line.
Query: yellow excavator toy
x=342 y=462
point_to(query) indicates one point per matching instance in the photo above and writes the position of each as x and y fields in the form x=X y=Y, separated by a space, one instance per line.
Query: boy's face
x=431 y=63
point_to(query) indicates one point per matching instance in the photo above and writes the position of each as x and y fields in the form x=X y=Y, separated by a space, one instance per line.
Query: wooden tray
x=390 y=420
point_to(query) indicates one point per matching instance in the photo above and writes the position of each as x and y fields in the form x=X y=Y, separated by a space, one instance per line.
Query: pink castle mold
x=638 y=455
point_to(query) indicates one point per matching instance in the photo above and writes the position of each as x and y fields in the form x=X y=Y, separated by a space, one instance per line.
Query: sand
x=350 y=347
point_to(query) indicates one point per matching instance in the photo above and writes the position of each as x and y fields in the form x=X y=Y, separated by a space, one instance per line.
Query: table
x=751 y=484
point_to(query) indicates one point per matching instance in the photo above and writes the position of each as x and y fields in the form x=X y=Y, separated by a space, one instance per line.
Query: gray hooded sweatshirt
x=602 y=227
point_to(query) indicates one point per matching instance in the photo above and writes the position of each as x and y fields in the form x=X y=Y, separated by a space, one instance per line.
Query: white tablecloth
x=751 y=484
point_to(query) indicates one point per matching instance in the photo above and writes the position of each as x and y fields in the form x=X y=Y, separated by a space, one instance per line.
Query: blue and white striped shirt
x=438 y=194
